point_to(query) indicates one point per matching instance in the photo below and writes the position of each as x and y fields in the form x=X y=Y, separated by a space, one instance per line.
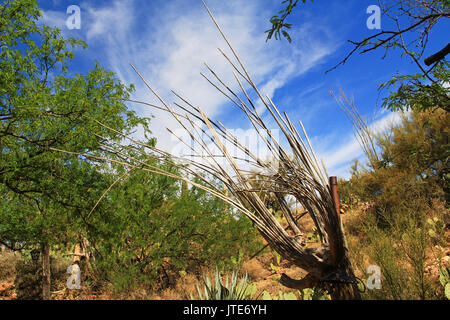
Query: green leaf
x=274 y=268
x=444 y=276
x=290 y=296
x=266 y=296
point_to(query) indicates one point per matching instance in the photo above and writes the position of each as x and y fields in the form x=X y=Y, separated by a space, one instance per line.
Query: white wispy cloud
x=170 y=46
x=169 y=43
x=338 y=159
x=53 y=18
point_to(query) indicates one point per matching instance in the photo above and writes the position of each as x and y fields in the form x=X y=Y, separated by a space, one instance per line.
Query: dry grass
x=255 y=270
x=258 y=270
x=183 y=287
x=437 y=256
x=8 y=262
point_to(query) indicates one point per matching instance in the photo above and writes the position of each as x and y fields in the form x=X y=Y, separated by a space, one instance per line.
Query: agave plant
x=231 y=290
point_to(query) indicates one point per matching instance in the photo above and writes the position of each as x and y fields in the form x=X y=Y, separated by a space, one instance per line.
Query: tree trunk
x=77 y=254
x=338 y=277
x=339 y=290
x=46 y=282
x=340 y=285
x=345 y=291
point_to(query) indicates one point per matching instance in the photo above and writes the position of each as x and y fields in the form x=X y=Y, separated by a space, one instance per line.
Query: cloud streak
x=169 y=50
x=169 y=42
x=337 y=160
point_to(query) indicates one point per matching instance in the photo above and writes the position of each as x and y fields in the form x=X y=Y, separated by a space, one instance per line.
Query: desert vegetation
x=76 y=189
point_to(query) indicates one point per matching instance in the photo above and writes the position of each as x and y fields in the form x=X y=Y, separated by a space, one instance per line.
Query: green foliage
x=400 y=252
x=444 y=279
x=45 y=194
x=413 y=170
x=313 y=294
x=143 y=229
x=444 y=276
x=238 y=259
x=347 y=196
x=405 y=193
x=313 y=237
x=305 y=294
x=447 y=291
x=417 y=92
x=278 y=24
x=281 y=296
x=427 y=89
x=436 y=231
x=230 y=290
x=150 y=228
x=276 y=267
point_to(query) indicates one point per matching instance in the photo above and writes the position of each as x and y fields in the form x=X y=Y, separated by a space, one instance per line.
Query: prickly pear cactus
x=444 y=279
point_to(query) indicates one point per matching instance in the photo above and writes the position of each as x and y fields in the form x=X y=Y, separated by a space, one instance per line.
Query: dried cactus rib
x=295 y=171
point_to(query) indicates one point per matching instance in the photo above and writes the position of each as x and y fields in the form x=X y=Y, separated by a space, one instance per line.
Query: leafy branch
x=278 y=22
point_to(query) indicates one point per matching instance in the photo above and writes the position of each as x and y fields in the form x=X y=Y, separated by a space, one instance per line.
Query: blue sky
x=168 y=42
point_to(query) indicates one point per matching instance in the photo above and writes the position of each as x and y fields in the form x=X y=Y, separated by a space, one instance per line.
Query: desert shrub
x=8 y=262
x=28 y=281
x=411 y=171
x=58 y=272
x=444 y=279
x=347 y=195
x=28 y=275
x=407 y=193
x=401 y=254
x=158 y=228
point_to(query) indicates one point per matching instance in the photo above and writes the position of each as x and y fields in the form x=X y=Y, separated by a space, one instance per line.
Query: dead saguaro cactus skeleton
x=294 y=171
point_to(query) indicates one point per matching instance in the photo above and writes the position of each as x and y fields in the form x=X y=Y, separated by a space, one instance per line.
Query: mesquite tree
x=45 y=195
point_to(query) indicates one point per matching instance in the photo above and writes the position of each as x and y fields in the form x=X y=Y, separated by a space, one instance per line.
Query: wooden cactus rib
x=298 y=173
